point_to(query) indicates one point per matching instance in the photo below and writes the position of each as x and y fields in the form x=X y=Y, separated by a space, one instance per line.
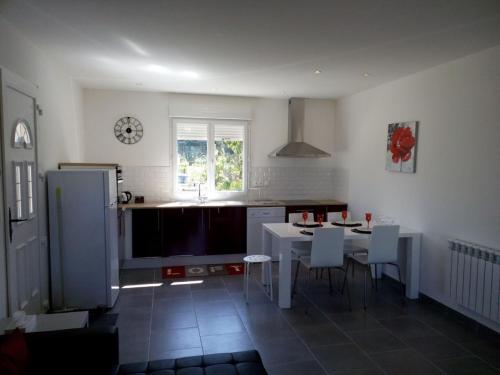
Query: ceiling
x=253 y=48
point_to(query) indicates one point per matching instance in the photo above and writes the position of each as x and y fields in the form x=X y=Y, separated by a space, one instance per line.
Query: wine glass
x=344 y=215
x=320 y=219
x=305 y=215
x=368 y=217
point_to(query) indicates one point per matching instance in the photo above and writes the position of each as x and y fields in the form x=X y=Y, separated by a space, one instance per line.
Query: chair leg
x=352 y=268
x=247 y=276
x=294 y=290
x=271 y=280
x=348 y=292
x=367 y=269
x=330 y=281
x=345 y=276
x=401 y=284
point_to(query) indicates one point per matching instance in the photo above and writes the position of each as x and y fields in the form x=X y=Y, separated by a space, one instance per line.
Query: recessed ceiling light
x=366 y=75
x=317 y=71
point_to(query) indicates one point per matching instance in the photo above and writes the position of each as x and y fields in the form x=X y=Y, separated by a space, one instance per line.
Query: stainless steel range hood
x=296 y=147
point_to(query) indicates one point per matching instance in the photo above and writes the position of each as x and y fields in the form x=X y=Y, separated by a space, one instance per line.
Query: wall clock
x=128 y=130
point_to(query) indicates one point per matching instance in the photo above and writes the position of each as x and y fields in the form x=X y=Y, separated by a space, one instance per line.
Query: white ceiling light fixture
x=190 y=74
x=155 y=68
x=317 y=71
x=366 y=75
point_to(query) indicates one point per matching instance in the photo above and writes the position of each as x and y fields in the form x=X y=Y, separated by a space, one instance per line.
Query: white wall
x=269 y=124
x=268 y=130
x=455 y=191
x=59 y=137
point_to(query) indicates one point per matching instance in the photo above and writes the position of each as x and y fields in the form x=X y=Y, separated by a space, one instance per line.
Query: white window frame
x=210 y=122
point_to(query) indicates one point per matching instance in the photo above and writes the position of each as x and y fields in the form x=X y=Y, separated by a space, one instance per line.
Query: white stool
x=264 y=259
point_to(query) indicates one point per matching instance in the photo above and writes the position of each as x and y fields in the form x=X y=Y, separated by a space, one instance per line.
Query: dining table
x=282 y=235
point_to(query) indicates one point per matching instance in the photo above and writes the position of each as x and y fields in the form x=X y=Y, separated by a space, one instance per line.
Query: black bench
x=239 y=363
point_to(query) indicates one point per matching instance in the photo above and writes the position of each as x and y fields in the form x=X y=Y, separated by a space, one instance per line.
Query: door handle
x=11 y=220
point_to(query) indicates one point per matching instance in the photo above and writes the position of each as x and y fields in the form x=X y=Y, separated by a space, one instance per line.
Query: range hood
x=296 y=147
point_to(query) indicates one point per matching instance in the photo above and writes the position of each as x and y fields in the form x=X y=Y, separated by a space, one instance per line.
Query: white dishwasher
x=256 y=216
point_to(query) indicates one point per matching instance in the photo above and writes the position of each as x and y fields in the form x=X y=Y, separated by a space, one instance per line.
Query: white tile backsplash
x=273 y=182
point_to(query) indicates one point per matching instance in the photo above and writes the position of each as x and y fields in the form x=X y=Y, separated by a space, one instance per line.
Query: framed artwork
x=401 y=152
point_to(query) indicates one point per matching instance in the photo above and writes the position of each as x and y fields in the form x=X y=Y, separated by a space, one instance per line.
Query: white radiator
x=475 y=278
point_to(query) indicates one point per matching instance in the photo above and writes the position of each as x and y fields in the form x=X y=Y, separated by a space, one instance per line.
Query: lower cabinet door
x=182 y=230
x=225 y=229
x=146 y=233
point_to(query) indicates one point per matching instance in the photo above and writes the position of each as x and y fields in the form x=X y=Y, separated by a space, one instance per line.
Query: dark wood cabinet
x=225 y=230
x=316 y=209
x=182 y=230
x=146 y=233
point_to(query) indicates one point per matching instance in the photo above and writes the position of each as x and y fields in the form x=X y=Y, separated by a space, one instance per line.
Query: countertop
x=229 y=203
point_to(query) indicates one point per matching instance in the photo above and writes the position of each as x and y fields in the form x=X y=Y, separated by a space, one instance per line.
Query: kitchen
x=171 y=171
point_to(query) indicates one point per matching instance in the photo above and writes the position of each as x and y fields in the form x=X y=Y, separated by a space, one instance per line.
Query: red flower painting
x=401 y=144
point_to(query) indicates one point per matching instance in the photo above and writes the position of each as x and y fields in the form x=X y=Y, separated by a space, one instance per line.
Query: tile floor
x=319 y=335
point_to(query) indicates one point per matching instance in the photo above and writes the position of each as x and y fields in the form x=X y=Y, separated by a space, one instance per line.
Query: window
x=18 y=191
x=22 y=135
x=29 y=181
x=210 y=152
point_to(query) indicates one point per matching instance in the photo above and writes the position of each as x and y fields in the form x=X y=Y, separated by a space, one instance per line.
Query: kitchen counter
x=228 y=203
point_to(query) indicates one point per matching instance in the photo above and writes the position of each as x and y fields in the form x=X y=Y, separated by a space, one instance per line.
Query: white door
x=20 y=194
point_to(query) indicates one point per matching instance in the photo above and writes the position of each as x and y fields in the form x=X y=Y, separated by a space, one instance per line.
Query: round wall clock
x=128 y=130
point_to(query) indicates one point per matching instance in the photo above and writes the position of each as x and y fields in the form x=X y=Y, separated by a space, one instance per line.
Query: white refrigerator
x=83 y=238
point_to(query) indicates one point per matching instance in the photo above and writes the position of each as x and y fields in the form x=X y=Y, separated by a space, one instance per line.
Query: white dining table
x=283 y=234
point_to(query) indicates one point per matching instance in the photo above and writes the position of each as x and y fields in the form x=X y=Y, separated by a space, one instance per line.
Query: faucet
x=201 y=199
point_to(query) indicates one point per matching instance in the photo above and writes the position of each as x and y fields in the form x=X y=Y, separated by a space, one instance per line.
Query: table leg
x=267 y=249
x=285 y=275
x=413 y=266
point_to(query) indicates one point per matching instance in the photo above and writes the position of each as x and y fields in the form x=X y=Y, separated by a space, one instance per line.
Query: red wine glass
x=344 y=216
x=368 y=217
x=320 y=219
x=305 y=215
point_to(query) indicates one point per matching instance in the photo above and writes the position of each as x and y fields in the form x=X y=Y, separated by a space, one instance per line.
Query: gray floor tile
x=406 y=361
x=385 y=312
x=487 y=350
x=176 y=305
x=355 y=321
x=376 y=340
x=323 y=334
x=164 y=321
x=175 y=339
x=407 y=327
x=298 y=317
x=437 y=347
x=211 y=295
x=269 y=329
x=169 y=292
x=466 y=366
x=219 y=325
x=175 y=353
x=216 y=308
x=134 y=349
x=280 y=351
x=231 y=342
x=458 y=332
x=296 y=368
x=342 y=358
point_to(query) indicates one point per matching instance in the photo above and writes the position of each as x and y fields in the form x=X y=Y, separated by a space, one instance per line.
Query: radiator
x=475 y=278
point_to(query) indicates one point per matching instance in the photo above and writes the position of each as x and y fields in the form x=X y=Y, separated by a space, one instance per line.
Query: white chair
x=251 y=259
x=382 y=249
x=300 y=249
x=349 y=246
x=327 y=251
